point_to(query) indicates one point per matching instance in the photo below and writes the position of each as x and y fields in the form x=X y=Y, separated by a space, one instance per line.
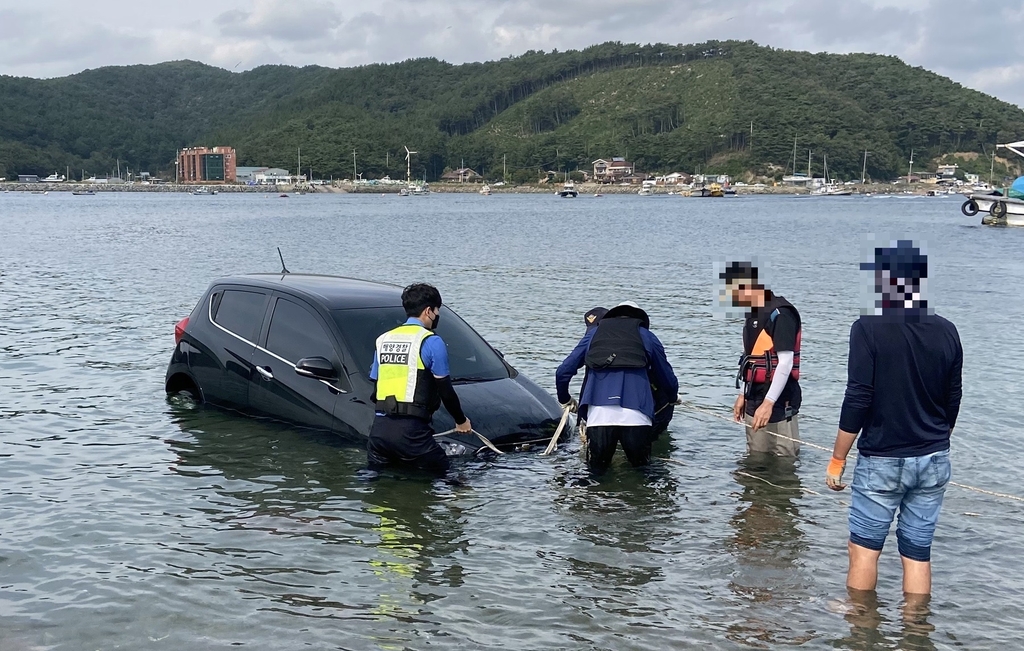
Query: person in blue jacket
x=623 y=358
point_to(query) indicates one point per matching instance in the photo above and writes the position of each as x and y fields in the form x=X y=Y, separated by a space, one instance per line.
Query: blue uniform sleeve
x=434 y=354
x=860 y=389
x=662 y=374
x=567 y=369
x=373 y=367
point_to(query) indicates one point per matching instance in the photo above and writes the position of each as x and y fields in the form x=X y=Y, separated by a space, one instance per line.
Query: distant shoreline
x=341 y=187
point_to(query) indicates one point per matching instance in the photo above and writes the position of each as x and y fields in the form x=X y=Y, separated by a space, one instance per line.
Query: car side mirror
x=318 y=368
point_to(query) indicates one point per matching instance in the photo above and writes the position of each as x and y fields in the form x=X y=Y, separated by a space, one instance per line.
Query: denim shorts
x=914 y=485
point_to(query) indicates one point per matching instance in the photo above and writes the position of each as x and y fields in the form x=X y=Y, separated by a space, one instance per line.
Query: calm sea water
x=130 y=522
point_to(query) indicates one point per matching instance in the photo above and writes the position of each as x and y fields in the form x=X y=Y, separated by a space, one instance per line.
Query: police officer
x=410 y=368
x=770 y=367
x=623 y=358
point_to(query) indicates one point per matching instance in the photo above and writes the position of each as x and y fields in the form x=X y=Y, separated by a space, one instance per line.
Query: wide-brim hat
x=631 y=310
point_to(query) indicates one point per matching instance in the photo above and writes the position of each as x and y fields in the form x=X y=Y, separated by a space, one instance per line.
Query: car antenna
x=284 y=269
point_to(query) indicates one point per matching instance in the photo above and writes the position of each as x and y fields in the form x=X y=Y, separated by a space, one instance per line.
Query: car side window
x=295 y=333
x=239 y=311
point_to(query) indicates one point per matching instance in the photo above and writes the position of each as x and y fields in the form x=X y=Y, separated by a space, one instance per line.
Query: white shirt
x=615 y=416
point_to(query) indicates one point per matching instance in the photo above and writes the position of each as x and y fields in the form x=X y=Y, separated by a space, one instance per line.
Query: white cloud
x=970 y=41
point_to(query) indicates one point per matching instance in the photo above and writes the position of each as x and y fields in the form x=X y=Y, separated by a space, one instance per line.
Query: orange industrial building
x=206 y=165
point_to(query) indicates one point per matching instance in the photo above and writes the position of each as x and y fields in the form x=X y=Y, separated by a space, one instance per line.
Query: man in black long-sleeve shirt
x=903 y=396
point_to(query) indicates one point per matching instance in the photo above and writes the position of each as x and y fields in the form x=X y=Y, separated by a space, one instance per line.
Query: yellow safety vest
x=404 y=386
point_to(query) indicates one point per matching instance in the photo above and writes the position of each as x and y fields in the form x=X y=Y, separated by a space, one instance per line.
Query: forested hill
x=665 y=107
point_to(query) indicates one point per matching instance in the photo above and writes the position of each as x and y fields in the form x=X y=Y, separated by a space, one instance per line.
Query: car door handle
x=265 y=372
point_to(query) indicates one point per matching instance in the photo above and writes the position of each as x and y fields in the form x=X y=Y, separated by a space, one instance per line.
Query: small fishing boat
x=203 y=191
x=282 y=196
x=568 y=190
x=486 y=190
x=53 y=178
x=404 y=192
x=83 y=193
x=712 y=190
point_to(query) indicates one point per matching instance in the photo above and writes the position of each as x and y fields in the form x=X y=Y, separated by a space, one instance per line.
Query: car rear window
x=469 y=356
x=239 y=311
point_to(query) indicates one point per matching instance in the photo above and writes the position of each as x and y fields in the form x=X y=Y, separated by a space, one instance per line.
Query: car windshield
x=469 y=356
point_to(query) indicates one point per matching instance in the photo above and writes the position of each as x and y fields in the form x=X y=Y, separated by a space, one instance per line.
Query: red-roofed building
x=613 y=171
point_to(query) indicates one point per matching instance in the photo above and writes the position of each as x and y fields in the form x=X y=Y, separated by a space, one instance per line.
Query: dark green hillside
x=666 y=107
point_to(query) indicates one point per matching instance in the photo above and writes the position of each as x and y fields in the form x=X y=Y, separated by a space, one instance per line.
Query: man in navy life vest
x=623 y=359
x=769 y=370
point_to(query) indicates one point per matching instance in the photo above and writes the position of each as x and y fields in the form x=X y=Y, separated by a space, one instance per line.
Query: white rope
x=553 y=443
x=708 y=412
x=483 y=439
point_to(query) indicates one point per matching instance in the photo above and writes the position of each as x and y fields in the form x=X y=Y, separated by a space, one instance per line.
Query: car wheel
x=182 y=390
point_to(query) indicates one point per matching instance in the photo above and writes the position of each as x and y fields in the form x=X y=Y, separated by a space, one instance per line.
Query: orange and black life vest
x=760 y=358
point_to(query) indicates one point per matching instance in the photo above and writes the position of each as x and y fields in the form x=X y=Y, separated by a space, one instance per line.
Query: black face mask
x=437 y=319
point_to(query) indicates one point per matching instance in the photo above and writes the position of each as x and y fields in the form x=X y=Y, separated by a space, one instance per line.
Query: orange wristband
x=836 y=466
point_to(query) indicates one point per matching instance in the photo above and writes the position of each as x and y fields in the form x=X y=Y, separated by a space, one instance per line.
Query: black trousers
x=602 y=441
x=404 y=440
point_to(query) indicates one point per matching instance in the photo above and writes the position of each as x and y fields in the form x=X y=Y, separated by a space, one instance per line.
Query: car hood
x=508 y=412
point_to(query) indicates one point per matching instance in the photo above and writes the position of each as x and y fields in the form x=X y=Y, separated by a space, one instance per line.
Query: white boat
x=999 y=209
x=644 y=192
x=53 y=178
x=831 y=188
x=420 y=190
x=486 y=190
x=568 y=190
x=996 y=210
x=203 y=191
x=404 y=192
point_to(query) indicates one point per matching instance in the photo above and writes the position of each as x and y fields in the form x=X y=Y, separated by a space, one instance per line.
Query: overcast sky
x=971 y=41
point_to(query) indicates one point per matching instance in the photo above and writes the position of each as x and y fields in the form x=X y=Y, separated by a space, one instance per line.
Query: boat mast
x=794 y=154
x=808 y=163
x=864 y=170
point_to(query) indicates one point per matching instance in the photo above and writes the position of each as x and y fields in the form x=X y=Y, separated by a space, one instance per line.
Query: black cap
x=902 y=261
x=593 y=316
x=738 y=270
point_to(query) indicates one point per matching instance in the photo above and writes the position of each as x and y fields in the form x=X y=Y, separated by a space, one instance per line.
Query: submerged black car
x=298 y=348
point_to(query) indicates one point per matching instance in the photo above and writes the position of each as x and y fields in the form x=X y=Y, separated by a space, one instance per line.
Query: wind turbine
x=408 y=165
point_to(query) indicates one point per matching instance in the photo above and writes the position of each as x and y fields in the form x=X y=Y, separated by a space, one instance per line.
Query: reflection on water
x=768 y=545
x=870 y=629
x=286 y=482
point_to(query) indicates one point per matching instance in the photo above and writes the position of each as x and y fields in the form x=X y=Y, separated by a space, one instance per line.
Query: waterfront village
x=215 y=167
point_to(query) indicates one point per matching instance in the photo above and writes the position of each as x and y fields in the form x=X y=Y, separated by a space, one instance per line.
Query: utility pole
x=809 y=164
x=354 y=175
x=504 y=169
x=911 y=171
x=751 y=143
x=864 y=170
x=992 y=167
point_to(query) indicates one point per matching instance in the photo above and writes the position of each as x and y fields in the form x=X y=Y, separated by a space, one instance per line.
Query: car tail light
x=179 y=330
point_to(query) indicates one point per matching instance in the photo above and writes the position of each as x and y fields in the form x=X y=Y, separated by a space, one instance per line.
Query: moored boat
x=486 y=190
x=568 y=190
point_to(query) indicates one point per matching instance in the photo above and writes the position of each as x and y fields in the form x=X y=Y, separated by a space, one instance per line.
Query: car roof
x=333 y=292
